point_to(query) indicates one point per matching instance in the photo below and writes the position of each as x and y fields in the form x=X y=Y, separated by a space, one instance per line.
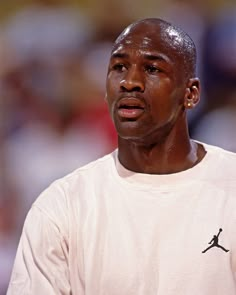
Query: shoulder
x=220 y=153
x=87 y=174
x=57 y=200
x=221 y=164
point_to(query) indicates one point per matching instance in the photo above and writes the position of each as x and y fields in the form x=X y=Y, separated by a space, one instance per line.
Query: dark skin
x=148 y=92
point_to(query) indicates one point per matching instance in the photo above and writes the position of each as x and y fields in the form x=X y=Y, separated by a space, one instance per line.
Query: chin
x=143 y=134
x=134 y=136
x=129 y=130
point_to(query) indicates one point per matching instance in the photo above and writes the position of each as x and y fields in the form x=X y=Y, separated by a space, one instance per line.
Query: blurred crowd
x=53 y=117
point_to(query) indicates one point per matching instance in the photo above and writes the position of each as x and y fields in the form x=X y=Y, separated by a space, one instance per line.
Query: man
x=136 y=221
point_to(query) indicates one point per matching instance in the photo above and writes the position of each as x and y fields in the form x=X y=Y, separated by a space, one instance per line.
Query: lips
x=130 y=107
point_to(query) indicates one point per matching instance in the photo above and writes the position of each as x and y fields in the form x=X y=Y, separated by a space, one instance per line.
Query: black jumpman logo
x=214 y=243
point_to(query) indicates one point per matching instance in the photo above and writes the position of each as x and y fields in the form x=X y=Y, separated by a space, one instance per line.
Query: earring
x=189 y=104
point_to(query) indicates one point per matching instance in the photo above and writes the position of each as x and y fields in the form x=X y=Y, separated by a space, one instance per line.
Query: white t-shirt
x=104 y=230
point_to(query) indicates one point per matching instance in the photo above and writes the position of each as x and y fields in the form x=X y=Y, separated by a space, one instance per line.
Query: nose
x=133 y=81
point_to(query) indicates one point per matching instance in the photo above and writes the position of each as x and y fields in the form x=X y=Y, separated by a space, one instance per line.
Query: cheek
x=112 y=84
x=164 y=102
x=159 y=94
x=111 y=94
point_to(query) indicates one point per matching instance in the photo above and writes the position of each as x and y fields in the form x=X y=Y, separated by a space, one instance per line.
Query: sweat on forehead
x=171 y=36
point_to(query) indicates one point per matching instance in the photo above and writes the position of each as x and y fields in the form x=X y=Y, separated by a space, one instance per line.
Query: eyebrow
x=159 y=57
x=151 y=56
x=119 y=55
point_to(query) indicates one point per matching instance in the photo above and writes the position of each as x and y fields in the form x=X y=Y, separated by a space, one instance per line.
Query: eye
x=151 y=69
x=119 y=67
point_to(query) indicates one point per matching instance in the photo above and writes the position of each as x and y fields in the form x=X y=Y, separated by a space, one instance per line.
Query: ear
x=192 y=93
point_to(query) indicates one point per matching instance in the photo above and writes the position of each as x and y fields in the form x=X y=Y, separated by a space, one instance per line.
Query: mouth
x=130 y=108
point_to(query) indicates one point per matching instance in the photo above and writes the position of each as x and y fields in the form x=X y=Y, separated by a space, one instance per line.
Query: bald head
x=171 y=38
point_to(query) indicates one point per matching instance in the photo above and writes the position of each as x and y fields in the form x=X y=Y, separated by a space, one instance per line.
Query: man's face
x=145 y=84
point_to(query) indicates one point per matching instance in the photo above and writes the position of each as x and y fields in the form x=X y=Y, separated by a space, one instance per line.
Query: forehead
x=151 y=38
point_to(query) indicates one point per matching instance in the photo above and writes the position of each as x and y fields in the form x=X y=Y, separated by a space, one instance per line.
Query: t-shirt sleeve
x=41 y=264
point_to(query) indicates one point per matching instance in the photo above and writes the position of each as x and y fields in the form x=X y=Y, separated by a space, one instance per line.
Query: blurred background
x=53 y=62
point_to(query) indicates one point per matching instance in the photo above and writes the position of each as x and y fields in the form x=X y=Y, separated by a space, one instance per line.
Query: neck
x=174 y=154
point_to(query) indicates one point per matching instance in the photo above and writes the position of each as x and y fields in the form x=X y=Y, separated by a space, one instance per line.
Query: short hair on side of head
x=186 y=48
